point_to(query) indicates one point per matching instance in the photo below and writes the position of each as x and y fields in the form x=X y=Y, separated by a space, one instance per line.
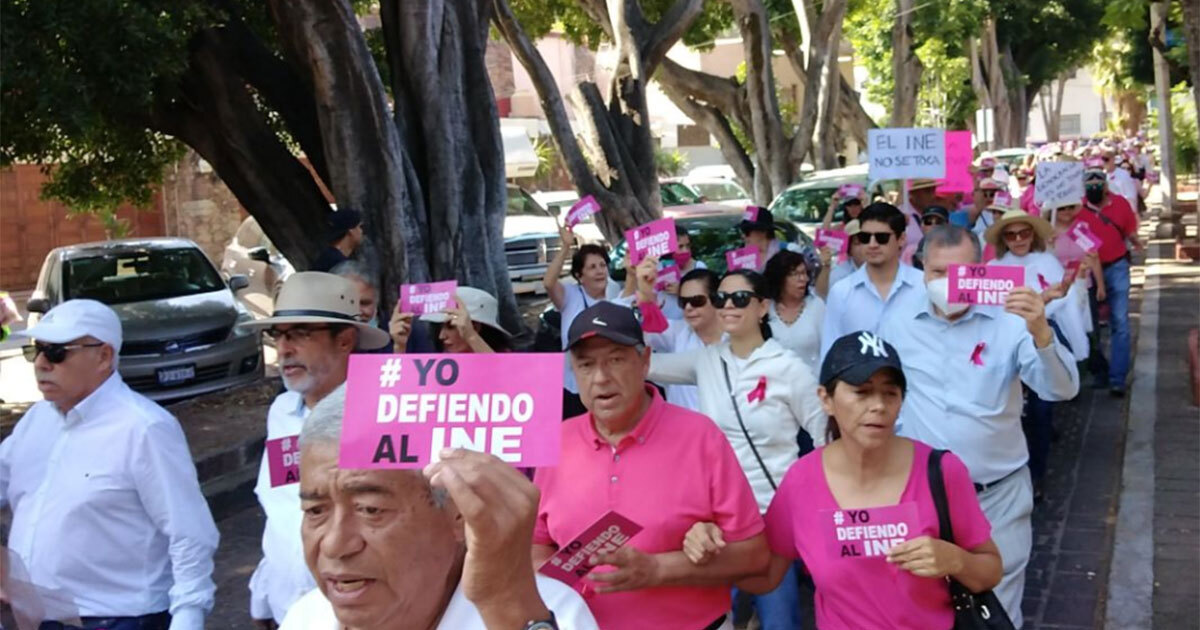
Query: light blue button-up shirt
x=974 y=410
x=854 y=304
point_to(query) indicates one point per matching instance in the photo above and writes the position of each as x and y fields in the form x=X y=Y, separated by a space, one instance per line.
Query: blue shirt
x=854 y=304
x=970 y=407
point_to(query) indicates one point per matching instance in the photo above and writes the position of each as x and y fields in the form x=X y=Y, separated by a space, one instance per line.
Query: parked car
x=180 y=319
x=680 y=200
x=530 y=240
x=253 y=255
x=806 y=202
x=725 y=192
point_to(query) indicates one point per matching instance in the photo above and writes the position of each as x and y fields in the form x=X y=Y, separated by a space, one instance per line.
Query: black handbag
x=972 y=611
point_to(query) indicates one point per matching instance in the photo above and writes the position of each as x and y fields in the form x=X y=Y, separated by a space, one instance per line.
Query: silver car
x=179 y=318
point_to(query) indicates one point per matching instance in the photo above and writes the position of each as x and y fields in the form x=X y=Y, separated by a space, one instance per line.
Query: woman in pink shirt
x=860 y=514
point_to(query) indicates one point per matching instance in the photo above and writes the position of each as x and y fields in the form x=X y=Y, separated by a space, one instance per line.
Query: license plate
x=176 y=375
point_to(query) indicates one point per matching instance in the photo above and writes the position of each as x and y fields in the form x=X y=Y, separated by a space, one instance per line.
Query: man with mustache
x=316 y=325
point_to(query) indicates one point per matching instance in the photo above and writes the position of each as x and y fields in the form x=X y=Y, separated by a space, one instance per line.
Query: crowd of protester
x=738 y=418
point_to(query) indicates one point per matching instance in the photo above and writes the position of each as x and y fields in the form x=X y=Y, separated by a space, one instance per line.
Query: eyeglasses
x=295 y=335
x=880 y=237
x=741 y=299
x=1018 y=235
x=54 y=352
x=932 y=221
x=695 y=301
x=990 y=193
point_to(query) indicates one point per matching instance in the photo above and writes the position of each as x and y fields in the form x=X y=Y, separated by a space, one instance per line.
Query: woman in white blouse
x=796 y=311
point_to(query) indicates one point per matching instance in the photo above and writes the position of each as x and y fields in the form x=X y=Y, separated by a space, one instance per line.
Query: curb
x=227 y=476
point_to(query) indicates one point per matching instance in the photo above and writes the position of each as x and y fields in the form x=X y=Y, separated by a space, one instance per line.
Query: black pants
x=156 y=621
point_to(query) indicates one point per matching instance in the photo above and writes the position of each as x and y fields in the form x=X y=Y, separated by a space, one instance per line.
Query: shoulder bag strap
x=937 y=487
x=741 y=423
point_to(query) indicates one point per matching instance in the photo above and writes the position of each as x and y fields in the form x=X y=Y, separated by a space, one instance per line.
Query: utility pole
x=1162 y=88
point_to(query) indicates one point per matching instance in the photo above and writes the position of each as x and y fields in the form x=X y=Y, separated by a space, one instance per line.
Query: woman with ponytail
x=761 y=395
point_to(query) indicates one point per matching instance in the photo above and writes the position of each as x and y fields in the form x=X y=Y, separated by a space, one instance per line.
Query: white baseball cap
x=74 y=319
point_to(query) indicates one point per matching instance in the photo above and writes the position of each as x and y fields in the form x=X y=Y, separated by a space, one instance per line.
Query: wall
x=199 y=206
x=1080 y=99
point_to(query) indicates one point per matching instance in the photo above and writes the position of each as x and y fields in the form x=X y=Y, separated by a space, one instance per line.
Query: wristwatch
x=545 y=624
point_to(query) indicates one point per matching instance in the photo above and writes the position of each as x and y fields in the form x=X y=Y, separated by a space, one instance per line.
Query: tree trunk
x=1162 y=89
x=1191 y=31
x=831 y=82
x=1010 y=103
x=906 y=67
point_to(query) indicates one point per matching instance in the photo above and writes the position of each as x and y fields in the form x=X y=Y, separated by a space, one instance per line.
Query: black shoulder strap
x=1109 y=222
x=745 y=431
x=937 y=487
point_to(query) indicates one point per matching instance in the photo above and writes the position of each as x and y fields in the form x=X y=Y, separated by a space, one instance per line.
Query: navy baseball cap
x=857 y=356
x=341 y=221
x=611 y=321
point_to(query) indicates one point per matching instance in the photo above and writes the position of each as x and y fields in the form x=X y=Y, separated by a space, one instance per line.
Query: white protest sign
x=1058 y=184
x=906 y=153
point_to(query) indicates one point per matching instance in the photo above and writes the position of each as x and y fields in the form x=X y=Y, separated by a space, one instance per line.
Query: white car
x=559 y=203
x=719 y=190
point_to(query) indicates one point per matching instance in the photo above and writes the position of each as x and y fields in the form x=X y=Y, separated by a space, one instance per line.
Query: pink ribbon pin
x=1042 y=281
x=977 y=355
x=759 y=392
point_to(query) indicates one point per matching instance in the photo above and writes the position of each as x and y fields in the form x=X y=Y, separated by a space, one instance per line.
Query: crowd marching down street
x=857 y=430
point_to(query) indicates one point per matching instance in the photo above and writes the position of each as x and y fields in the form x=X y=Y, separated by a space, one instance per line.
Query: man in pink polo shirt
x=663 y=467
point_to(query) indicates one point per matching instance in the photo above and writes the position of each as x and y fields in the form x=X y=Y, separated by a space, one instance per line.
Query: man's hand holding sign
x=999 y=284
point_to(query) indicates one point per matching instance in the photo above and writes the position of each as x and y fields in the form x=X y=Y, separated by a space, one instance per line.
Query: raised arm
x=554 y=288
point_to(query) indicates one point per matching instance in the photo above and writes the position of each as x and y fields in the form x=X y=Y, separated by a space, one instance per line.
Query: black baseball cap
x=341 y=221
x=611 y=321
x=938 y=211
x=857 y=356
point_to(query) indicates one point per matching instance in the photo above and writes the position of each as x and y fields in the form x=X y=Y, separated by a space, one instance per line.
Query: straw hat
x=852 y=227
x=919 y=184
x=995 y=233
x=480 y=305
x=313 y=297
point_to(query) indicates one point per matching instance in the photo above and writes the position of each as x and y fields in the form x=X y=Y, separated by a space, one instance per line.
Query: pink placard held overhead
x=751 y=214
x=868 y=532
x=656 y=238
x=423 y=299
x=283 y=460
x=581 y=210
x=1084 y=237
x=666 y=277
x=402 y=410
x=570 y=563
x=846 y=191
x=742 y=258
x=983 y=284
x=958 y=164
x=836 y=240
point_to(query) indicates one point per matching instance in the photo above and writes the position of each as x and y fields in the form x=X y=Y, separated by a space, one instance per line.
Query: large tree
x=106 y=90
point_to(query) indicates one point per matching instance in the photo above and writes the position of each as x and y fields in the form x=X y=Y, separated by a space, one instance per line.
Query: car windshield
x=720 y=191
x=804 y=205
x=677 y=194
x=521 y=204
x=140 y=275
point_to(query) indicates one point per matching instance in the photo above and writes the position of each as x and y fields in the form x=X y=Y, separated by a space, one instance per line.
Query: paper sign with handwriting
x=570 y=563
x=667 y=276
x=835 y=240
x=1058 y=184
x=869 y=532
x=423 y=299
x=656 y=238
x=905 y=153
x=983 y=284
x=958 y=164
x=742 y=258
x=582 y=210
x=1084 y=237
x=403 y=409
x=283 y=460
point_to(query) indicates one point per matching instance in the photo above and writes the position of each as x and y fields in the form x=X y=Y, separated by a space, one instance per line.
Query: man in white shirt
x=964 y=367
x=108 y=516
x=316 y=324
x=882 y=285
x=1119 y=179
x=446 y=549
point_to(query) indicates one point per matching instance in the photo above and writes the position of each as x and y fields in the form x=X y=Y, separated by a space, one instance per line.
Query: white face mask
x=939 y=295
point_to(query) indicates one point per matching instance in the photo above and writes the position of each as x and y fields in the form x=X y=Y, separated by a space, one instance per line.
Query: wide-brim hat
x=314 y=297
x=995 y=233
x=480 y=305
x=921 y=184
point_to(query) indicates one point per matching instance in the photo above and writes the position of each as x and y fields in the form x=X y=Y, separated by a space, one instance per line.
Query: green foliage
x=1187 y=133
x=669 y=163
x=547 y=156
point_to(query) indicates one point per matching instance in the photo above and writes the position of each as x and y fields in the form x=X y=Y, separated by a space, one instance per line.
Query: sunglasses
x=741 y=299
x=990 y=193
x=695 y=301
x=1018 y=235
x=880 y=237
x=933 y=221
x=54 y=352
x=295 y=335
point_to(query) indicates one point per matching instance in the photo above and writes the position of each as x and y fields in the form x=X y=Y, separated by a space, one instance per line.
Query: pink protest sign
x=1084 y=237
x=742 y=258
x=983 y=284
x=423 y=299
x=846 y=191
x=570 y=563
x=869 y=532
x=656 y=238
x=1072 y=273
x=402 y=410
x=581 y=210
x=283 y=460
x=751 y=214
x=666 y=277
x=835 y=240
x=1003 y=199
x=958 y=164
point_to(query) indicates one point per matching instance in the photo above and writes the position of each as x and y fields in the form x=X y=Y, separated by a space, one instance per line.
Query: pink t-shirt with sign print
x=844 y=549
